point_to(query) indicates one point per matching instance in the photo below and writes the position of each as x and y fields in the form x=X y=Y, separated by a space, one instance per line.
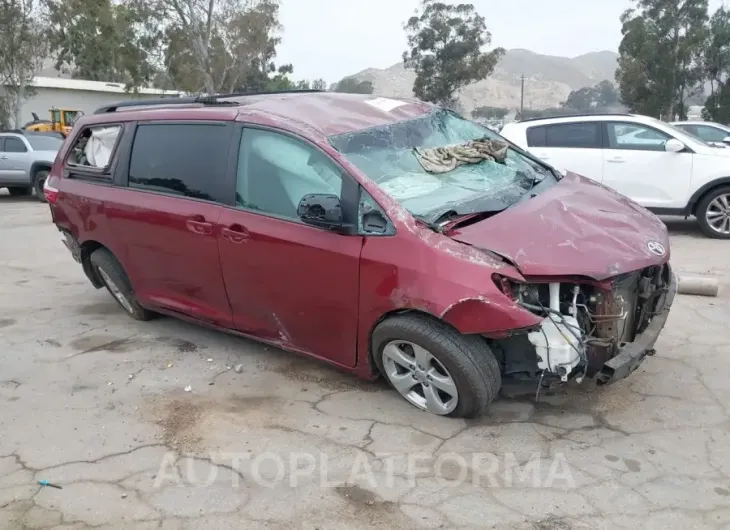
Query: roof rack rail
x=577 y=115
x=216 y=99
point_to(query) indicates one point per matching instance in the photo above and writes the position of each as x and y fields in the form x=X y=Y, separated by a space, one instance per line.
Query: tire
x=467 y=360
x=38 y=180
x=712 y=203
x=115 y=280
x=19 y=191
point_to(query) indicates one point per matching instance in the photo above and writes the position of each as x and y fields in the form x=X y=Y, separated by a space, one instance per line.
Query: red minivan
x=385 y=236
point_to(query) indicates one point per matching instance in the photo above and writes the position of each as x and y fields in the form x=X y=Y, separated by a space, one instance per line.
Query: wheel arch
x=697 y=197
x=385 y=316
x=87 y=248
x=36 y=167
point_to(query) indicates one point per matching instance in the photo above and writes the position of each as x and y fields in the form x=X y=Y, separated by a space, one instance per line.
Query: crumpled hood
x=576 y=227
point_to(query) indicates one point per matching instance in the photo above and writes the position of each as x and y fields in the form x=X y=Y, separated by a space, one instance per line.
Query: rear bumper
x=72 y=245
x=634 y=353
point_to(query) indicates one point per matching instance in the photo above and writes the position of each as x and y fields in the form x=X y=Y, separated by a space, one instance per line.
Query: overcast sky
x=334 y=38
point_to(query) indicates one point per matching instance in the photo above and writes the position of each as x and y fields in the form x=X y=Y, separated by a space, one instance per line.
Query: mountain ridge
x=548 y=79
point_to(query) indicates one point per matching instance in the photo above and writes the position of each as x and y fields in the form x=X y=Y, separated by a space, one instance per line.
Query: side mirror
x=321 y=209
x=726 y=140
x=674 y=146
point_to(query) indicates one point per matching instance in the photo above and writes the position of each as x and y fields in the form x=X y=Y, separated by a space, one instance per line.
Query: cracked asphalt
x=148 y=425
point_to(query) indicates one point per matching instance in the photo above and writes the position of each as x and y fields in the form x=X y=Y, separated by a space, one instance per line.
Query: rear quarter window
x=537 y=136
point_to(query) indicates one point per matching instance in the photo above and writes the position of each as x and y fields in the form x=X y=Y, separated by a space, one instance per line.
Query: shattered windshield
x=489 y=176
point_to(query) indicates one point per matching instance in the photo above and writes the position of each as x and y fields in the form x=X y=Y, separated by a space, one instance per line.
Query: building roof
x=93 y=86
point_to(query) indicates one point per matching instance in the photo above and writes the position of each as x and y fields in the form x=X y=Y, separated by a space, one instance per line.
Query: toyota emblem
x=655 y=247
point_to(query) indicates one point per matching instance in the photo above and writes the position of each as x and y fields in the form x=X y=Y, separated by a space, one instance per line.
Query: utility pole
x=522 y=94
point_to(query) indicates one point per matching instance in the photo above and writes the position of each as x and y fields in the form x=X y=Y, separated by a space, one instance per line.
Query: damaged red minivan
x=385 y=236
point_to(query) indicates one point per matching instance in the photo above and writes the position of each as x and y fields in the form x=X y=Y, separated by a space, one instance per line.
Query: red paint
x=320 y=293
x=577 y=228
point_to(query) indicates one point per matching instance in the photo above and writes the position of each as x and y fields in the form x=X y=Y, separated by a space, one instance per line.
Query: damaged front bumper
x=633 y=354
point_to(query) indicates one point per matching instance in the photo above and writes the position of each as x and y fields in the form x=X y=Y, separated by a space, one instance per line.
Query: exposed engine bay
x=584 y=324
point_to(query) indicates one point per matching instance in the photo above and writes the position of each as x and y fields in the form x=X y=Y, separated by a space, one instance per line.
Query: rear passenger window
x=180 y=159
x=537 y=136
x=582 y=135
x=14 y=145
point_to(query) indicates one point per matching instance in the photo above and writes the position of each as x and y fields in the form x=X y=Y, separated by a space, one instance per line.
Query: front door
x=286 y=281
x=14 y=161
x=637 y=165
x=167 y=217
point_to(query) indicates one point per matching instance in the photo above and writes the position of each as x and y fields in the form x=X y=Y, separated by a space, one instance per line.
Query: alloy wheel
x=718 y=214
x=116 y=292
x=420 y=377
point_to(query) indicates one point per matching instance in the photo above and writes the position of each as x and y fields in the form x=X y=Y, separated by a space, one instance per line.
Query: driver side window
x=636 y=137
x=276 y=170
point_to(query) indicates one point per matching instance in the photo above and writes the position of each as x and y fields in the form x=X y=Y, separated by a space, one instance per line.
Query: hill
x=548 y=79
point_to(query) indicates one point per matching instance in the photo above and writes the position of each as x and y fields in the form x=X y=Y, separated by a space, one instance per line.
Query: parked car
x=715 y=134
x=25 y=160
x=657 y=165
x=326 y=224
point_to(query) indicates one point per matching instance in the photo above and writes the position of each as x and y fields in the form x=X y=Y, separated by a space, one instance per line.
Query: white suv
x=653 y=163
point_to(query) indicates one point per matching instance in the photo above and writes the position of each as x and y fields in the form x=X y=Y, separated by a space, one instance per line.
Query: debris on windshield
x=448 y=158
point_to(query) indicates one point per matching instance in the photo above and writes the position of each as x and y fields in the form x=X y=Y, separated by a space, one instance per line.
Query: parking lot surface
x=163 y=424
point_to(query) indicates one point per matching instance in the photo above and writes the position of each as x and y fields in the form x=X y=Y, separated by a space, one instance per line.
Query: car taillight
x=50 y=193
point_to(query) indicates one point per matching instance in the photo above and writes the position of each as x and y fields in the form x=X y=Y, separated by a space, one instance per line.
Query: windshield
x=386 y=155
x=44 y=143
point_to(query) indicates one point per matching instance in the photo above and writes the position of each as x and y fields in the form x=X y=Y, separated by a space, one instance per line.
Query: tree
x=221 y=45
x=351 y=85
x=601 y=96
x=660 y=56
x=490 y=113
x=104 y=40
x=319 y=84
x=22 y=48
x=445 y=49
x=717 y=66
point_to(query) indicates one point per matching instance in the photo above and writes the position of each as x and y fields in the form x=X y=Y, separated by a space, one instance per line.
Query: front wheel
x=434 y=367
x=713 y=213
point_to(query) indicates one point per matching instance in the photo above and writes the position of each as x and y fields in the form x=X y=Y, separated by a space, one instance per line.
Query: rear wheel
x=19 y=191
x=38 y=181
x=115 y=280
x=434 y=367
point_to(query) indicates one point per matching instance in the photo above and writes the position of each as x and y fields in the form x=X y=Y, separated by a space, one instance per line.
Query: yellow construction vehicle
x=61 y=121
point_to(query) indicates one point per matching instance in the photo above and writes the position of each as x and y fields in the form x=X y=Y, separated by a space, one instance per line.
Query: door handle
x=616 y=160
x=3 y=157
x=235 y=233
x=199 y=227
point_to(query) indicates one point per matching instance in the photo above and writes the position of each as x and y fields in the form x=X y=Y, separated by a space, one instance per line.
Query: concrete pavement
x=97 y=403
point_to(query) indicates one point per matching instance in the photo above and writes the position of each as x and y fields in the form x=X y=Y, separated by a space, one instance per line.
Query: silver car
x=715 y=134
x=25 y=160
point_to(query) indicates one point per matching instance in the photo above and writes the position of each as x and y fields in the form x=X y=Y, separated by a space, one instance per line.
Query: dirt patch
x=304 y=370
x=368 y=506
x=179 y=422
x=5 y=322
x=96 y=343
x=181 y=345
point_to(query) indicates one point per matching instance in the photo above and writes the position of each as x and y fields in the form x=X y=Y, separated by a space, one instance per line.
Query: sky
x=331 y=39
